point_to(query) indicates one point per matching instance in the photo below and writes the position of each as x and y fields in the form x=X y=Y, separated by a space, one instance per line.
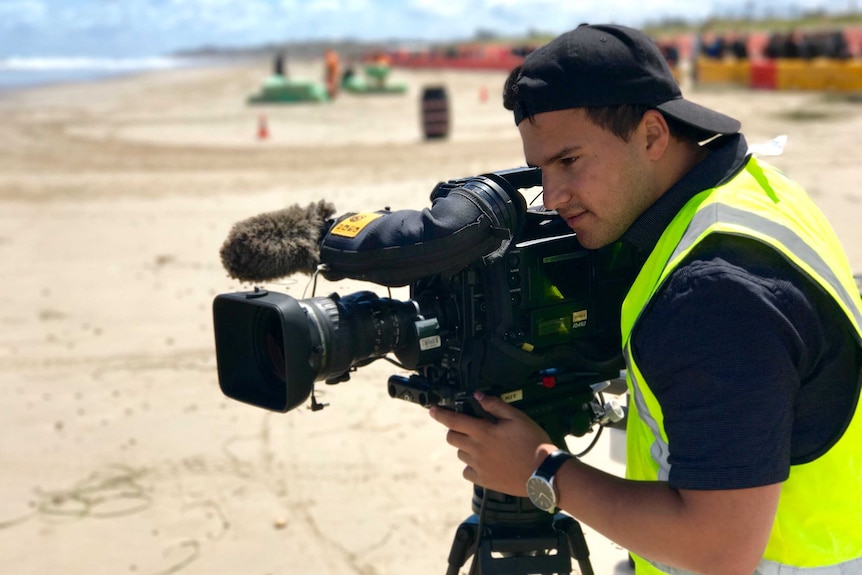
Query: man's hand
x=701 y=531
x=499 y=456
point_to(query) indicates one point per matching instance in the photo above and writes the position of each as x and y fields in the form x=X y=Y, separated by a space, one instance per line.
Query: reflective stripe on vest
x=783 y=235
x=824 y=492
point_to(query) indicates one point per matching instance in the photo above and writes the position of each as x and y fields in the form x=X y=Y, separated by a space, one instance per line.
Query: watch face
x=542 y=494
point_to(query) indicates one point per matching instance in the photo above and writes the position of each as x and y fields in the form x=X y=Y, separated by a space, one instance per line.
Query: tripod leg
x=464 y=544
x=577 y=542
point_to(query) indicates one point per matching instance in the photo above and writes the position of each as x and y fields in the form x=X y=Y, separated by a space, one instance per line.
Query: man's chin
x=593 y=241
x=588 y=241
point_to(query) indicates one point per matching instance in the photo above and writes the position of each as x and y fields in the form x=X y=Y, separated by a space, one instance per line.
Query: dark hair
x=621 y=120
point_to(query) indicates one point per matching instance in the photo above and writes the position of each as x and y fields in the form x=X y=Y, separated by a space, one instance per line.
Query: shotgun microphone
x=277 y=244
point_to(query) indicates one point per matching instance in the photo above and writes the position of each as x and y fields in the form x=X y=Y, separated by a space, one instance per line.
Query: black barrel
x=435 y=112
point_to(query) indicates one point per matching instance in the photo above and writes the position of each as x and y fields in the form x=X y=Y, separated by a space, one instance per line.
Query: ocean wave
x=24 y=63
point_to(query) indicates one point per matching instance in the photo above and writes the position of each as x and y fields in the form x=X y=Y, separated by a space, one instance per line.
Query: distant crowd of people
x=829 y=44
x=721 y=46
x=804 y=45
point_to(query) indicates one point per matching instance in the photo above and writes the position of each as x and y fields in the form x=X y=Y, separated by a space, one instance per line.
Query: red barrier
x=469 y=62
x=764 y=75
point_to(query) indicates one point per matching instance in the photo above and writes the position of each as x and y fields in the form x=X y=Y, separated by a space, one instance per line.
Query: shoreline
x=24 y=73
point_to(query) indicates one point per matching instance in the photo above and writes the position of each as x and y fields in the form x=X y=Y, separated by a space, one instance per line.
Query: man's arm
x=716 y=532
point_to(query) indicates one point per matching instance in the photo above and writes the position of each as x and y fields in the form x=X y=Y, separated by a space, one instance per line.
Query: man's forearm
x=701 y=531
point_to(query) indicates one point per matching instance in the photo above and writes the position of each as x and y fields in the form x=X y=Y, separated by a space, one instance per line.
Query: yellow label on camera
x=579 y=316
x=351 y=226
x=513 y=396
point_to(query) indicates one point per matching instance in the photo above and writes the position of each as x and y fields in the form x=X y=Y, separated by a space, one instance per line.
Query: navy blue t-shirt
x=754 y=367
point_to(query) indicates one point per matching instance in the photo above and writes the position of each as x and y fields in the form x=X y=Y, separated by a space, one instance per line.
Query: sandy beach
x=119 y=453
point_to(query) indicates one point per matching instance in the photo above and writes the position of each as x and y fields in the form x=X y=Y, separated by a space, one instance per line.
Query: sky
x=141 y=28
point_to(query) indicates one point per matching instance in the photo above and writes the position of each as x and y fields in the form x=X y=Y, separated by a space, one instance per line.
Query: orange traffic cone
x=262 y=128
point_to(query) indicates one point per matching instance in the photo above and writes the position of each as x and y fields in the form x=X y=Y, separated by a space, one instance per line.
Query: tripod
x=510 y=536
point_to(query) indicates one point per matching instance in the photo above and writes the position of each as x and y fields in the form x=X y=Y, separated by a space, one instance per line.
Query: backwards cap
x=606 y=65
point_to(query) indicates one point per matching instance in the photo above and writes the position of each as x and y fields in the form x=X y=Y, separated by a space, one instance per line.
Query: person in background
x=278 y=65
x=742 y=331
x=332 y=72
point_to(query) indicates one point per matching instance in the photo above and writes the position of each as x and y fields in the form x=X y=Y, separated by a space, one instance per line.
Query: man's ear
x=657 y=133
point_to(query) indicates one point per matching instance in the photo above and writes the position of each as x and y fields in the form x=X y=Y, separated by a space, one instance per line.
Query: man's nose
x=553 y=195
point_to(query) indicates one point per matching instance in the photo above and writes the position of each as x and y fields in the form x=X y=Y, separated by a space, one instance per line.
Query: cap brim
x=699 y=116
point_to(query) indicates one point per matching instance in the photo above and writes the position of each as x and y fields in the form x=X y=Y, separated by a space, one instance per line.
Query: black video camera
x=503 y=299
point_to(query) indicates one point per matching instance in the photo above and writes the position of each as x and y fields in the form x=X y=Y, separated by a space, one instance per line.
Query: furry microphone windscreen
x=276 y=244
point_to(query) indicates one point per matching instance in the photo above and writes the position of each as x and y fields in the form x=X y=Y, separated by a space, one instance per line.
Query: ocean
x=23 y=72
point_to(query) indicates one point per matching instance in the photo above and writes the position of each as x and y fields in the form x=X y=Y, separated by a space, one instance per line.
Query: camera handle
x=516 y=538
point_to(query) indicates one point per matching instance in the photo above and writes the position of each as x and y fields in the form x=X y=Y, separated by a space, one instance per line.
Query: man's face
x=596 y=181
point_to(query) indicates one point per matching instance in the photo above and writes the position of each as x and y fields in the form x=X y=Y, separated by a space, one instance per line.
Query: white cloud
x=22 y=13
x=339 y=6
x=216 y=16
x=323 y=6
x=90 y=17
x=439 y=7
x=358 y=5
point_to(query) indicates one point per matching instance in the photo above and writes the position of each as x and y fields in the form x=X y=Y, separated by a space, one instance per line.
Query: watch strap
x=553 y=462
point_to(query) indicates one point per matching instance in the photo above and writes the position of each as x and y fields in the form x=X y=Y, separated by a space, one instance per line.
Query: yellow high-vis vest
x=818 y=525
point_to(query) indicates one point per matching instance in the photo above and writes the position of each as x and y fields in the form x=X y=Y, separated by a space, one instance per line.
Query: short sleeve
x=721 y=348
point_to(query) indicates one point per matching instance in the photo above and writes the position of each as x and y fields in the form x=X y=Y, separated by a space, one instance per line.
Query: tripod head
x=508 y=535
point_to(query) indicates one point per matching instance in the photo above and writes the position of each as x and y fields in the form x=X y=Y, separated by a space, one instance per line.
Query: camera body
x=536 y=320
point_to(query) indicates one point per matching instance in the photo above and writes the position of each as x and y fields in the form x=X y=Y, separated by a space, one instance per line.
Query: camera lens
x=255 y=363
x=271 y=349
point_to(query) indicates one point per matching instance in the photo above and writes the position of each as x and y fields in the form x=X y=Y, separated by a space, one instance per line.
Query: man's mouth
x=574 y=219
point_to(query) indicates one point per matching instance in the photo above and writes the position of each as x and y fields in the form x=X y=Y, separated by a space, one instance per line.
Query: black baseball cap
x=606 y=65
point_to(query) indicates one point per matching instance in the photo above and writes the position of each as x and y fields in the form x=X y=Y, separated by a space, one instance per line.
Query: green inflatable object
x=280 y=89
x=377 y=71
x=356 y=85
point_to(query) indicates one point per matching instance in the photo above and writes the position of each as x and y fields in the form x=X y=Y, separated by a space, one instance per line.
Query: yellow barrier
x=726 y=71
x=819 y=74
x=851 y=78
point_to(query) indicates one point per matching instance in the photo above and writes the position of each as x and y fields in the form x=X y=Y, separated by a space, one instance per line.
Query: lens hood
x=263 y=345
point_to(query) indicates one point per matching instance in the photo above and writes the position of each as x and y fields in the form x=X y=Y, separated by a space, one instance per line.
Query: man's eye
x=568 y=161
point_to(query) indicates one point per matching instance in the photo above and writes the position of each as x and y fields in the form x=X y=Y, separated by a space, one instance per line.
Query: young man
x=741 y=332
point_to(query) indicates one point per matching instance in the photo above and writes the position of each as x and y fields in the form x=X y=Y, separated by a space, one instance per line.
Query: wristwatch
x=540 y=486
